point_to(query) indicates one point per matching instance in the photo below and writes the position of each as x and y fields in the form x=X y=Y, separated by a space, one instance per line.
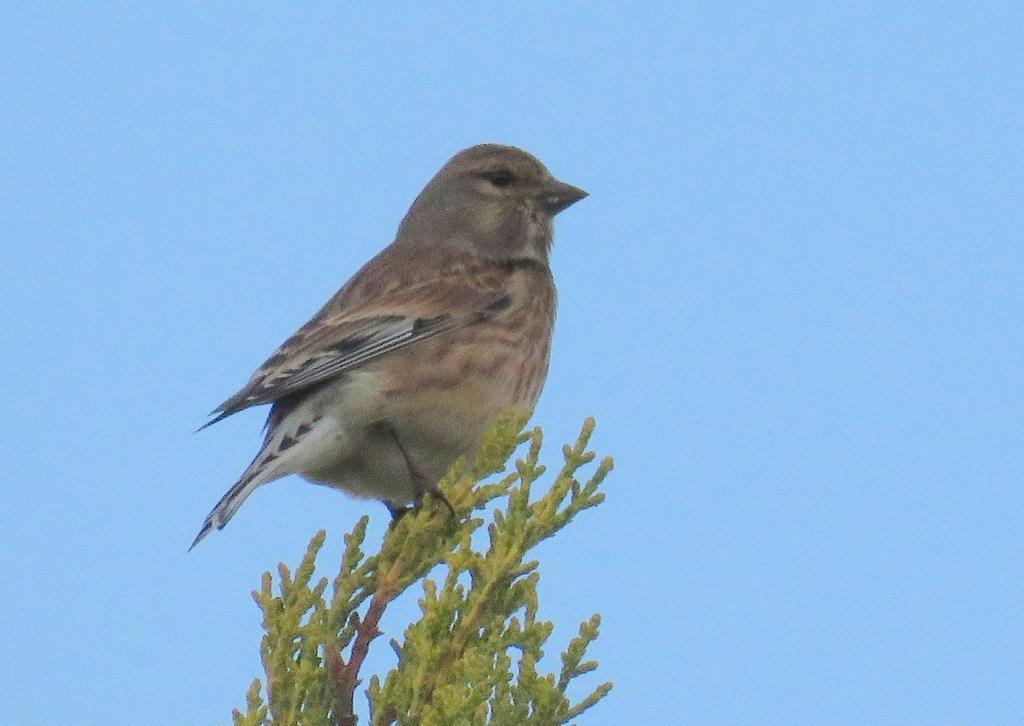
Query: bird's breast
x=446 y=391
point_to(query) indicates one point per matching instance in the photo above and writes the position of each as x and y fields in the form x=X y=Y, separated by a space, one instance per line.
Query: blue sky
x=792 y=301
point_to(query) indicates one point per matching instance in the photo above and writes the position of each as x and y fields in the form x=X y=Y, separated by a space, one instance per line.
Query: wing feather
x=351 y=330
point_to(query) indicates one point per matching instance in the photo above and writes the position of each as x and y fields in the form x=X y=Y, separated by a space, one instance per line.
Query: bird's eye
x=500 y=177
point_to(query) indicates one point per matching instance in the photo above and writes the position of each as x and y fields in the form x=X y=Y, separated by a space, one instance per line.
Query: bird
x=402 y=371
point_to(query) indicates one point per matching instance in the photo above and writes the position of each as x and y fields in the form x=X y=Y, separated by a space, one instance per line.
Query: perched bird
x=402 y=371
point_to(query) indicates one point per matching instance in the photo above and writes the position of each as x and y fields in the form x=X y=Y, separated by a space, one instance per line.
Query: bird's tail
x=229 y=504
x=264 y=468
x=289 y=444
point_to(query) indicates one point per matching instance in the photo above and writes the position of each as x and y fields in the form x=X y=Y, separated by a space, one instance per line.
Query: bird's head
x=497 y=200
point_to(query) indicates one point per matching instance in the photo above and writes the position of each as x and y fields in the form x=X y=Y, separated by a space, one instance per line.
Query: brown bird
x=402 y=371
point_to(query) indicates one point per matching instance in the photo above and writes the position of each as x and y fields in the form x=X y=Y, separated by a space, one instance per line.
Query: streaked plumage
x=403 y=369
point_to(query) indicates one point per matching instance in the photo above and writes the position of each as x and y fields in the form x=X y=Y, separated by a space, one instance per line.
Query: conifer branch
x=455 y=664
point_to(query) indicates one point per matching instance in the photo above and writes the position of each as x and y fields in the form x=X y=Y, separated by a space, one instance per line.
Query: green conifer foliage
x=472 y=656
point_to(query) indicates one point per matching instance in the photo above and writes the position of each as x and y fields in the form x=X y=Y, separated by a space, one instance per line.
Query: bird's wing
x=369 y=318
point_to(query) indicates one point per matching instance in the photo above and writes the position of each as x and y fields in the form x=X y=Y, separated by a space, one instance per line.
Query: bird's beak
x=556 y=196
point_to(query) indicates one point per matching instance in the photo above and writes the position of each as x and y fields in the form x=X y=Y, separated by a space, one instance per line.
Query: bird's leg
x=421 y=484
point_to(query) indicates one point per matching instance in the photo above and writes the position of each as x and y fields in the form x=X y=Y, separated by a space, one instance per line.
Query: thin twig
x=336 y=669
x=346 y=675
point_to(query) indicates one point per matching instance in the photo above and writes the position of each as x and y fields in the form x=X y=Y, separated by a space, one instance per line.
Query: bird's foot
x=435 y=491
x=397 y=512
